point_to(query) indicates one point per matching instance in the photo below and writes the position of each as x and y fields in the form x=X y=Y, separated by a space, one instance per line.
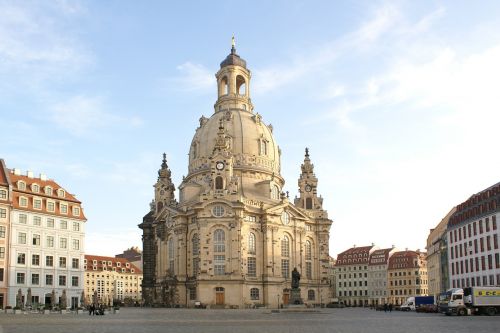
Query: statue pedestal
x=295 y=298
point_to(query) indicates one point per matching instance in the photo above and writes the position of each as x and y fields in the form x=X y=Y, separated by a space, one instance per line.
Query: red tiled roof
x=49 y=182
x=3 y=173
x=379 y=257
x=354 y=256
x=405 y=259
x=123 y=264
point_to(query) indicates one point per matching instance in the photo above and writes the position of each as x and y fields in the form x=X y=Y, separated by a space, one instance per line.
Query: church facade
x=233 y=237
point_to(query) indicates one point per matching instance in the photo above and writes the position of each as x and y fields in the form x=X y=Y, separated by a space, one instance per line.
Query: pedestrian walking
x=390 y=307
x=385 y=307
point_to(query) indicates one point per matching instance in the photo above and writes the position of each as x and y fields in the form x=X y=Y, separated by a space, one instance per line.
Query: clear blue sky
x=397 y=100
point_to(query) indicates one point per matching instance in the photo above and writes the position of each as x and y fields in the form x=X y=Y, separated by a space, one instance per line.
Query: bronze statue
x=295 y=278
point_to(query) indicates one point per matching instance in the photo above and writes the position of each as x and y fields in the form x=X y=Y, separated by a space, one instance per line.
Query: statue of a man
x=295 y=278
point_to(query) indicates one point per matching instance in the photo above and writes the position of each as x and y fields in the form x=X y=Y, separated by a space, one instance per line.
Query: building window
x=35 y=260
x=309 y=203
x=62 y=280
x=37 y=220
x=308 y=250
x=75 y=263
x=48 y=190
x=35 y=279
x=36 y=240
x=51 y=206
x=219 y=241
x=74 y=281
x=275 y=192
x=251 y=243
x=218 y=211
x=3 y=213
x=310 y=295
x=192 y=294
x=285 y=218
x=50 y=223
x=219 y=264
x=61 y=193
x=76 y=211
x=2 y=231
x=285 y=268
x=23 y=218
x=23 y=202
x=76 y=226
x=3 y=194
x=252 y=266
x=62 y=262
x=20 y=278
x=219 y=183
x=21 y=238
x=63 y=243
x=35 y=188
x=254 y=294
x=309 y=270
x=63 y=224
x=21 y=185
x=76 y=244
x=263 y=147
x=171 y=255
x=285 y=246
x=37 y=203
x=63 y=208
x=2 y=252
x=49 y=261
x=50 y=241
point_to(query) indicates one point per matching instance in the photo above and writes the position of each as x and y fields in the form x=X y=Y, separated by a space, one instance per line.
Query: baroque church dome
x=236 y=131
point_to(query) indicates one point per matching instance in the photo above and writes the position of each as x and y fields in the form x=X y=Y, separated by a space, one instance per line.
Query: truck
x=412 y=303
x=471 y=300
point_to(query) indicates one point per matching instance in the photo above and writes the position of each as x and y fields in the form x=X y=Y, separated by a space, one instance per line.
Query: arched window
x=310 y=295
x=219 y=249
x=219 y=241
x=308 y=250
x=240 y=85
x=171 y=255
x=224 y=86
x=219 y=183
x=285 y=246
x=309 y=203
x=254 y=294
x=251 y=243
x=159 y=205
x=263 y=147
x=275 y=192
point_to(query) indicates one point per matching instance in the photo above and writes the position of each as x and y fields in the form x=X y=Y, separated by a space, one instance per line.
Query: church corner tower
x=233 y=237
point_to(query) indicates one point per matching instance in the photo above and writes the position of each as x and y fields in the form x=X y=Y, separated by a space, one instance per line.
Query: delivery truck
x=412 y=303
x=472 y=300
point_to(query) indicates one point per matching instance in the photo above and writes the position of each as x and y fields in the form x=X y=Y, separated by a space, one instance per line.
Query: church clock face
x=219 y=166
x=308 y=188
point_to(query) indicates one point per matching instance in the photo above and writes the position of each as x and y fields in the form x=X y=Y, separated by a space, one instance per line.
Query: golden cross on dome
x=233 y=42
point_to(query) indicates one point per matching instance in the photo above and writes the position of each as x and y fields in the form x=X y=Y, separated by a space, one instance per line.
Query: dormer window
x=21 y=185
x=23 y=201
x=76 y=211
x=37 y=203
x=127 y=265
x=109 y=263
x=63 y=208
x=118 y=264
x=48 y=190
x=61 y=193
x=35 y=188
x=132 y=271
x=94 y=262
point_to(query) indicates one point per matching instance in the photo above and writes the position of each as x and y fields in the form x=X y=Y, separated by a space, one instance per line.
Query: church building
x=233 y=237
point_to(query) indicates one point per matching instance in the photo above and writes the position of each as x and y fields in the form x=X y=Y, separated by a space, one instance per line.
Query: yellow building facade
x=406 y=276
x=111 y=279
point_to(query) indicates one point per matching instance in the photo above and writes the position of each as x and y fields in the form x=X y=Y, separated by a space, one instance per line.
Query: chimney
x=29 y=174
x=17 y=171
x=392 y=246
x=43 y=177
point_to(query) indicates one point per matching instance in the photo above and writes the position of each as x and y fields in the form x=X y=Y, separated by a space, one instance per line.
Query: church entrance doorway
x=286 y=296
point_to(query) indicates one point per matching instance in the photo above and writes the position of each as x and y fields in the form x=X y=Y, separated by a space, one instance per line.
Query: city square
x=255 y=320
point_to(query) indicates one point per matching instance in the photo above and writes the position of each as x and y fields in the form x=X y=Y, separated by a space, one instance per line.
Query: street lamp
x=278 y=296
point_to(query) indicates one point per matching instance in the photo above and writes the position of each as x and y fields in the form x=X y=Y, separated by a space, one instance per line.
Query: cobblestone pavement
x=241 y=321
